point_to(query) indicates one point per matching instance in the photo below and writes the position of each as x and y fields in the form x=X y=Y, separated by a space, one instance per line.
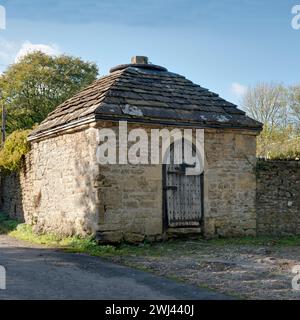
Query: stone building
x=69 y=192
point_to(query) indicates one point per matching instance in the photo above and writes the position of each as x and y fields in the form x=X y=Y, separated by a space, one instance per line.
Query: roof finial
x=139 y=60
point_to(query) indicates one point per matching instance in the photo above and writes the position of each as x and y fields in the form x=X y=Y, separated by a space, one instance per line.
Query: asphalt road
x=33 y=272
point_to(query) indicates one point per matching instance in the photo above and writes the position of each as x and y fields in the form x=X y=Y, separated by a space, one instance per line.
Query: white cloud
x=238 y=89
x=11 y=51
x=7 y=50
x=28 y=47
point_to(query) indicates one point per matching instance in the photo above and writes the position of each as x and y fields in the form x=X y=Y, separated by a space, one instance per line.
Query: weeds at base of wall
x=89 y=246
x=24 y=232
x=7 y=225
x=73 y=244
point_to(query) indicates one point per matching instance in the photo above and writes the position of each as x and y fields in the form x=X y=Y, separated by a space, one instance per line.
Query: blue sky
x=223 y=45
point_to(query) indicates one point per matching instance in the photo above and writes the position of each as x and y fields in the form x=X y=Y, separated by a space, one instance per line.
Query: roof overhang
x=82 y=123
x=61 y=129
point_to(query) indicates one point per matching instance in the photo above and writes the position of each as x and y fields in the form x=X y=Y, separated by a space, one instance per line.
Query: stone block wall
x=54 y=190
x=278 y=198
x=130 y=203
x=62 y=188
x=64 y=174
x=129 y=198
x=67 y=192
x=229 y=183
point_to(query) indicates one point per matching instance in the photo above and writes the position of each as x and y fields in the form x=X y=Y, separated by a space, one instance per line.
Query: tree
x=278 y=142
x=13 y=150
x=267 y=103
x=34 y=86
x=294 y=102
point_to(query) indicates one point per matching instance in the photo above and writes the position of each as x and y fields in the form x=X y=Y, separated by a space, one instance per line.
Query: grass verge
x=77 y=244
x=259 y=241
x=88 y=245
x=7 y=224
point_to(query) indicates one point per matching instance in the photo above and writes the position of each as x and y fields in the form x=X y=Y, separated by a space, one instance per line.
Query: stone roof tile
x=155 y=95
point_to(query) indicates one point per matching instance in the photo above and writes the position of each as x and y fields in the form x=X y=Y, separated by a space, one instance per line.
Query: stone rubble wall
x=278 y=198
x=16 y=191
x=11 y=196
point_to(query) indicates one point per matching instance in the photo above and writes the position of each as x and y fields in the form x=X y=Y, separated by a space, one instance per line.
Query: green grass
x=259 y=241
x=87 y=245
x=7 y=224
x=70 y=244
x=172 y=247
x=77 y=244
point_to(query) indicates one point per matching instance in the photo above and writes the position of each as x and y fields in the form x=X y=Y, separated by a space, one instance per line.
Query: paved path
x=37 y=273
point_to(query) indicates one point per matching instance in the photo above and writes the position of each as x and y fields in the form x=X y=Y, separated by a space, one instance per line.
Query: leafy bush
x=14 y=149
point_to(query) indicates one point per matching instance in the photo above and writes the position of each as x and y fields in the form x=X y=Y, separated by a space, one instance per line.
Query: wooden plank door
x=183 y=196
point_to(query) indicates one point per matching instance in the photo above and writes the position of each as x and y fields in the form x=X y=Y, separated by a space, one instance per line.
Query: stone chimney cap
x=139 y=60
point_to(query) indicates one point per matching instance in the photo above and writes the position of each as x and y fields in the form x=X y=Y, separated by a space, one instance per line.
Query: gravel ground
x=246 y=271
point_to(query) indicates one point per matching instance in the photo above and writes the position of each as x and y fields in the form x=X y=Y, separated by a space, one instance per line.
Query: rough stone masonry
x=121 y=212
x=278 y=198
x=62 y=188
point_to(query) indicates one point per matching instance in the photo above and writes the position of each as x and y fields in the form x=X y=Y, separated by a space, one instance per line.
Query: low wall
x=16 y=191
x=11 y=198
x=278 y=198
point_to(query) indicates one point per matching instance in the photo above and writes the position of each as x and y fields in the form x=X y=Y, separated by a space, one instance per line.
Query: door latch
x=171 y=188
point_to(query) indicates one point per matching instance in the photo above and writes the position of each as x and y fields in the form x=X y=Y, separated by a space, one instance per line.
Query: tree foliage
x=294 y=100
x=278 y=108
x=34 y=86
x=13 y=150
x=267 y=103
x=278 y=143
